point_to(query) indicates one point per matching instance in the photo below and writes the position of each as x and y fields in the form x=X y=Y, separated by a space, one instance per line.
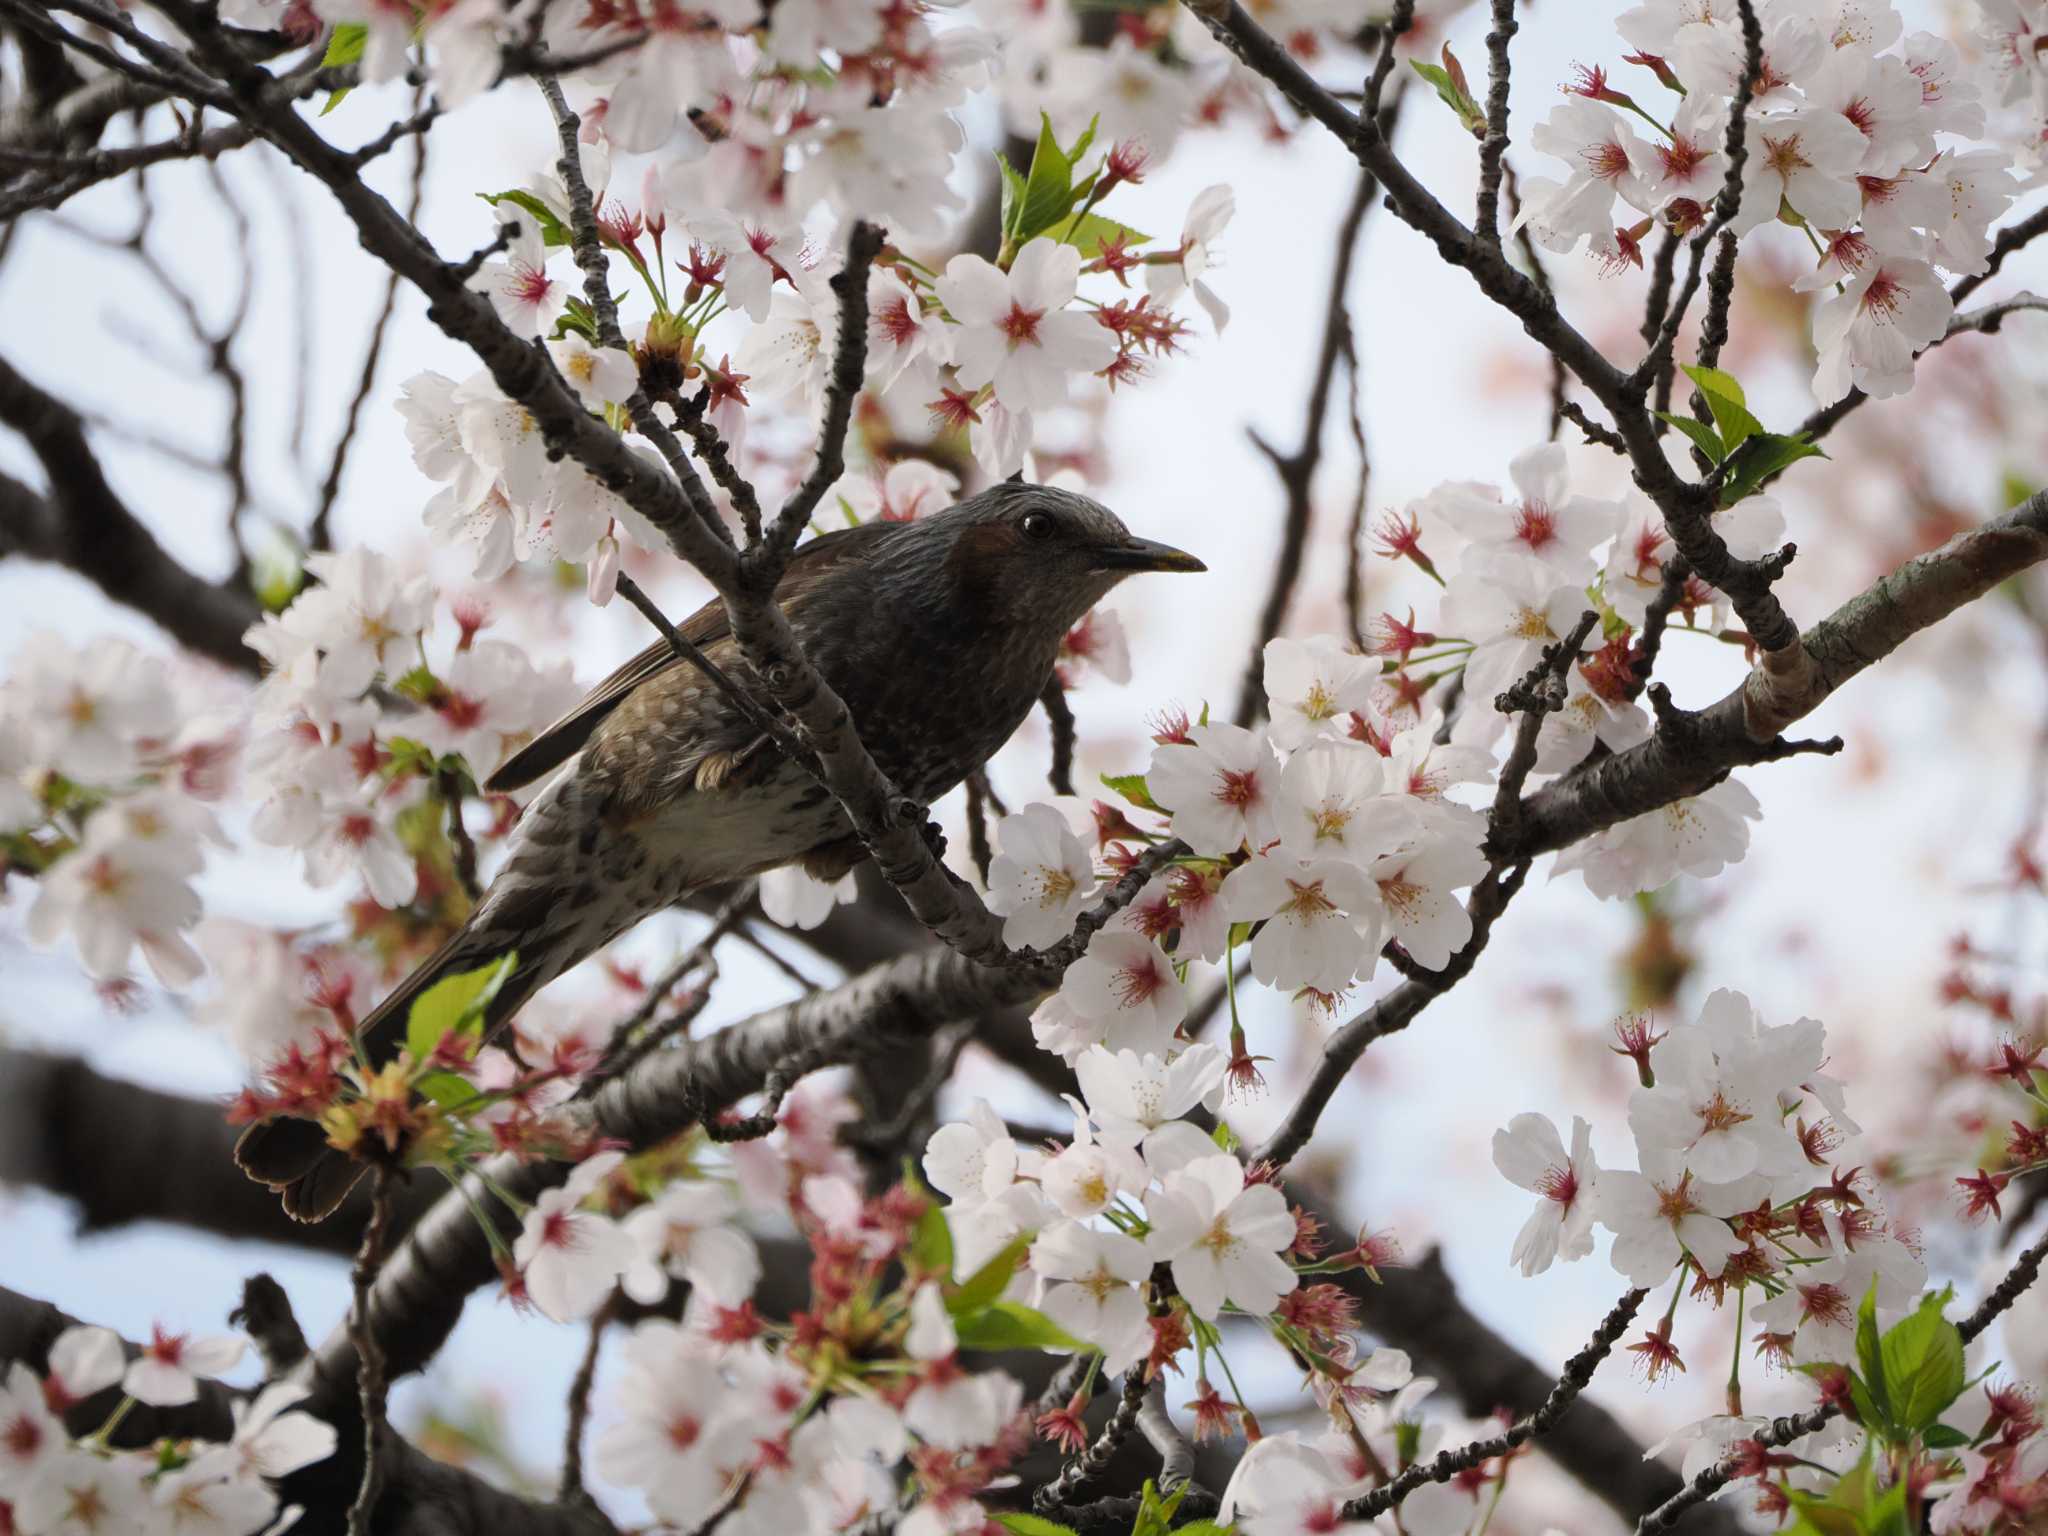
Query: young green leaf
x=1091 y=232
x=989 y=1281
x=1020 y=1524
x=345 y=45
x=1870 y=1357
x=454 y=1003
x=1761 y=456
x=1703 y=436
x=1049 y=192
x=1011 y=1325
x=553 y=231
x=1132 y=787
x=1725 y=400
x=1452 y=95
x=1923 y=1364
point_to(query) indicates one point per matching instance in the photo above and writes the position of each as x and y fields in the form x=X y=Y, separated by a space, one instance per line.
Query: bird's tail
x=292 y=1155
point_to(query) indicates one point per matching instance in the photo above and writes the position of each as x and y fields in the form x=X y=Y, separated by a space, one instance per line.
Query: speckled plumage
x=939 y=635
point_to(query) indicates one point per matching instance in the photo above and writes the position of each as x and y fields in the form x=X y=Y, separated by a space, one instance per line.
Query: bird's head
x=1038 y=556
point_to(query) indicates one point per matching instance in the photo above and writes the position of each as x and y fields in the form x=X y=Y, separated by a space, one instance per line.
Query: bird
x=940 y=634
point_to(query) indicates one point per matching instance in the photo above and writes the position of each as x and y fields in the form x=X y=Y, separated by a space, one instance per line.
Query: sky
x=1862 y=869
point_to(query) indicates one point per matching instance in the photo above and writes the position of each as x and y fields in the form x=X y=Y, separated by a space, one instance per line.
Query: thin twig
x=318 y=533
x=1494 y=147
x=572 y=1489
x=370 y=1375
x=1297 y=470
x=1087 y=1466
x=1578 y=1373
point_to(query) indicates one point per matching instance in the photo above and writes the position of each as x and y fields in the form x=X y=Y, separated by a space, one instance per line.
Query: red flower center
x=1021 y=324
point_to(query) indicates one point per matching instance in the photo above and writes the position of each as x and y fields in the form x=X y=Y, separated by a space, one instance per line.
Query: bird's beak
x=1145 y=555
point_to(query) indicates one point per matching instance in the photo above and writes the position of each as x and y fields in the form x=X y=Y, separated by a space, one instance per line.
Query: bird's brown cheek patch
x=977 y=559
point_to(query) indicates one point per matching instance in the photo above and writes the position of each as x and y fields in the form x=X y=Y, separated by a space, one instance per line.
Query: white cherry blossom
x=1041 y=880
x=1321 y=920
x=1013 y=330
x=1529 y=1154
x=572 y=1257
x=1221 y=785
x=1126 y=983
x=1095 y=1295
x=1312 y=685
x=1224 y=1238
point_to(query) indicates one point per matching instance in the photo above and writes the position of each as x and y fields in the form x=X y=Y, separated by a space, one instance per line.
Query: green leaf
x=1870 y=1355
x=1923 y=1364
x=1155 y=1512
x=1943 y=1437
x=1761 y=456
x=1448 y=93
x=1846 y=1508
x=552 y=230
x=1703 y=436
x=1032 y=1525
x=1013 y=193
x=1132 y=787
x=1011 y=1325
x=1725 y=399
x=1091 y=232
x=446 y=1089
x=1049 y=193
x=1225 y=1137
x=931 y=1244
x=345 y=45
x=454 y=1003
x=989 y=1281
x=1204 y=1528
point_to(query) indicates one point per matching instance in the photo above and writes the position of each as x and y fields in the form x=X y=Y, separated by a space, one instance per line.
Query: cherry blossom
x=1807 y=159
x=1598 y=145
x=1311 y=686
x=1321 y=920
x=1013 y=330
x=1529 y=1154
x=1510 y=608
x=1094 y=1290
x=31 y=1436
x=1415 y=886
x=906 y=341
x=1140 y=1100
x=1207 y=216
x=171 y=1366
x=1126 y=982
x=570 y=1257
x=1664 y=1209
x=82 y=1494
x=687 y=1232
x=1281 y=1487
x=1222 y=786
x=1042 y=880
x=671 y=1442
x=600 y=376
x=89 y=712
x=1868 y=333
x=1699 y=836
x=790 y=898
x=520 y=290
x=1690 y=164
x=115 y=892
x=1331 y=805
x=1222 y=1237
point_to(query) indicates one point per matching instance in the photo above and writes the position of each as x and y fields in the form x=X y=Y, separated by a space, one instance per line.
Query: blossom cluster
x=52 y=1481
x=106 y=775
x=335 y=767
x=1855 y=133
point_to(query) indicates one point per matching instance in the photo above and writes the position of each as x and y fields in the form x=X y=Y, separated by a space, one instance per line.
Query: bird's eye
x=1039 y=526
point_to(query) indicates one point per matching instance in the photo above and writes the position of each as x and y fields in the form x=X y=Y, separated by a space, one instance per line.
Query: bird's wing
x=705 y=629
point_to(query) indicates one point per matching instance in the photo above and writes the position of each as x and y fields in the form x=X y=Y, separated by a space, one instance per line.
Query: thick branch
x=1744 y=726
x=80 y=522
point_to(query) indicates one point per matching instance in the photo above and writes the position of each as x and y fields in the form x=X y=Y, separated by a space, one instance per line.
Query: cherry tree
x=1033 y=1219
